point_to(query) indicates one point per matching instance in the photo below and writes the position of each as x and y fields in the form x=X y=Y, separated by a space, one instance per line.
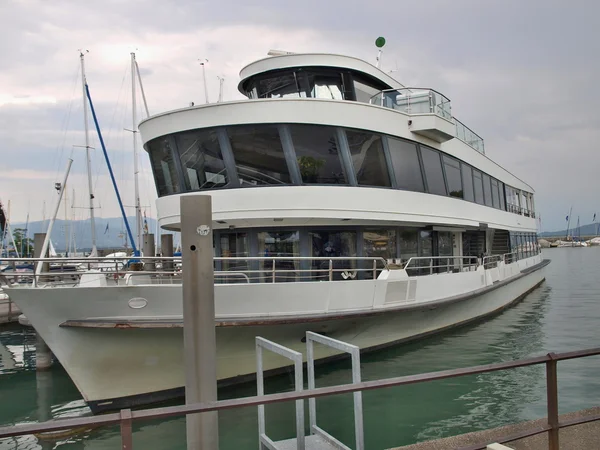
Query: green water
x=563 y=314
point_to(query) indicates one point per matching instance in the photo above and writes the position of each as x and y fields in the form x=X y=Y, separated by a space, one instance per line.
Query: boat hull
x=128 y=365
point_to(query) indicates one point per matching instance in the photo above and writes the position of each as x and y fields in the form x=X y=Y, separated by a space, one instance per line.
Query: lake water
x=562 y=314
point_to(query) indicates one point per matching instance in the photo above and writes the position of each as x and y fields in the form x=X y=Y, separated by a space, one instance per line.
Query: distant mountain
x=583 y=230
x=110 y=233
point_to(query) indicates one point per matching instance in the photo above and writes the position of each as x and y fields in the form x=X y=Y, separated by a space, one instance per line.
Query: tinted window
x=330 y=244
x=363 y=91
x=467 y=175
x=501 y=190
x=487 y=190
x=317 y=154
x=280 y=86
x=433 y=171
x=405 y=163
x=203 y=166
x=368 y=158
x=477 y=182
x=163 y=166
x=495 y=195
x=325 y=86
x=453 y=177
x=409 y=244
x=379 y=243
x=258 y=155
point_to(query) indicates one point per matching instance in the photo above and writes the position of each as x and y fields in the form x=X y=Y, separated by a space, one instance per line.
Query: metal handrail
x=126 y=416
x=472 y=262
x=441 y=108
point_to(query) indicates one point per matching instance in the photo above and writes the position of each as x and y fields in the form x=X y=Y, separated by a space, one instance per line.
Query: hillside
x=110 y=233
x=584 y=230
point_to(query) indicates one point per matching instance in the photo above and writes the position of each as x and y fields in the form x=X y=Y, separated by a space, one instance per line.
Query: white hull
x=127 y=361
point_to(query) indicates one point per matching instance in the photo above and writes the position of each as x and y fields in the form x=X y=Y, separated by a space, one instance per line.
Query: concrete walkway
x=584 y=436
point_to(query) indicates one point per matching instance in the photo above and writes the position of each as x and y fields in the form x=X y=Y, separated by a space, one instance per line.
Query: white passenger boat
x=343 y=203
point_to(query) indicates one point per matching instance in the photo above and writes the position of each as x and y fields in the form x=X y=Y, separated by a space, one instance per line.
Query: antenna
x=221 y=81
x=379 y=42
x=203 y=64
x=279 y=53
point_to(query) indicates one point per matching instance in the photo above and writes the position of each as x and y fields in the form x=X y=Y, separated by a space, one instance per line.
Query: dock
x=582 y=436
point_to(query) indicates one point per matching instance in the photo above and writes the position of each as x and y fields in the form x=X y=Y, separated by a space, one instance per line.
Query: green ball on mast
x=380 y=42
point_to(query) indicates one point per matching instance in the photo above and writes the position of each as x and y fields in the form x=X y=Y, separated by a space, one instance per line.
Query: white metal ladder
x=319 y=439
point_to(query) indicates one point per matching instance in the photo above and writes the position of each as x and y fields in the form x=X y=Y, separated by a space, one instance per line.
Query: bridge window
x=201 y=160
x=433 y=171
x=284 y=85
x=259 y=156
x=317 y=153
x=364 y=91
x=368 y=158
x=502 y=200
x=453 y=177
x=467 y=176
x=405 y=164
x=163 y=166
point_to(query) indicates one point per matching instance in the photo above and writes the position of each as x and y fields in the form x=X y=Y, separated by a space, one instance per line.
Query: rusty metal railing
x=125 y=417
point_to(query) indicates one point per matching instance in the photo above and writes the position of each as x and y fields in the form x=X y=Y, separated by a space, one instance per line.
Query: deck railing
x=468 y=136
x=242 y=269
x=125 y=417
x=414 y=101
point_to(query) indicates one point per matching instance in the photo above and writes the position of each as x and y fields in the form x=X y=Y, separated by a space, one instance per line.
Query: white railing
x=428 y=265
x=167 y=270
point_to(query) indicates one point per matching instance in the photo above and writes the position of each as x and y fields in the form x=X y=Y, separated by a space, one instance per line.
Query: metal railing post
x=126 y=430
x=273 y=272
x=374 y=269
x=552 y=398
x=330 y=270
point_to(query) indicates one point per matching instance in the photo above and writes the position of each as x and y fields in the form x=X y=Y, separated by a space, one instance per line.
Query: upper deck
x=325 y=120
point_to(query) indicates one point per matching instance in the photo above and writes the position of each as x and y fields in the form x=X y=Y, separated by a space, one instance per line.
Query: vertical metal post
x=199 y=319
x=126 y=430
x=149 y=265
x=273 y=272
x=374 y=269
x=330 y=270
x=552 y=398
x=166 y=249
x=43 y=355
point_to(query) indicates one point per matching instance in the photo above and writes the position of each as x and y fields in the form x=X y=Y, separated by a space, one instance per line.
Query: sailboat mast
x=87 y=153
x=138 y=208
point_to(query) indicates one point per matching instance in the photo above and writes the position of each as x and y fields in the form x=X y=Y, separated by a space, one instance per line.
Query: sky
x=522 y=74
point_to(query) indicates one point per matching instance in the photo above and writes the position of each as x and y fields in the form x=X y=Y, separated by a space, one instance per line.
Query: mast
x=138 y=208
x=221 y=80
x=87 y=153
x=568 y=222
x=203 y=63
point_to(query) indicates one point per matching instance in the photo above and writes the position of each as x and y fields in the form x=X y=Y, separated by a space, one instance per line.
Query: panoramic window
x=259 y=156
x=364 y=91
x=478 y=184
x=325 y=86
x=366 y=150
x=495 y=195
x=487 y=189
x=201 y=159
x=501 y=191
x=467 y=175
x=409 y=244
x=163 y=166
x=284 y=85
x=379 y=243
x=234 y=244
x=453 y=177
x=317 y=153
x=433 y=171
x=279 y=244
x=331 y=244
x=406 y=166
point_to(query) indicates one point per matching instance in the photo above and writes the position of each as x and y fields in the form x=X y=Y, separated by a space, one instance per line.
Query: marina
x=328 y=256
x=556 y=317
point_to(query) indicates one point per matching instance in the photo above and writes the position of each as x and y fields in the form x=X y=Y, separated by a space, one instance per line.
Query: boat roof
x=291 y=60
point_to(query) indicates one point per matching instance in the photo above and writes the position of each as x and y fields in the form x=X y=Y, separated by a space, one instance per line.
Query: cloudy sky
x=522 y=74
